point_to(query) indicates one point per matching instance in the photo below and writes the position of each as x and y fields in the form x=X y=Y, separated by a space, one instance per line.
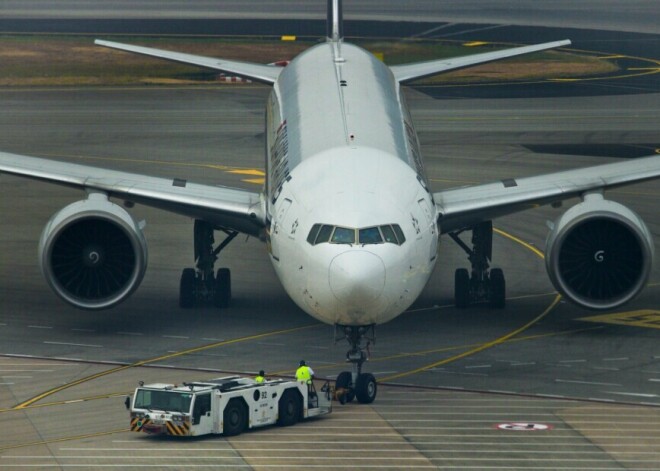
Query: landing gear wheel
x=343 y=382
x=222 y=295
x=187 y=288
x=234 y=418
x=497 y=289
x=461 y=288
x=366 y=388
x=289 y=408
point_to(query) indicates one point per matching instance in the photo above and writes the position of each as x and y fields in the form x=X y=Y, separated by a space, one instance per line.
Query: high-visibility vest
x=303 y=374
x=260 y=379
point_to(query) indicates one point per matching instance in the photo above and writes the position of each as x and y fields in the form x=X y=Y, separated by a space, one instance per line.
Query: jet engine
x=599 y=253
x=93 y=253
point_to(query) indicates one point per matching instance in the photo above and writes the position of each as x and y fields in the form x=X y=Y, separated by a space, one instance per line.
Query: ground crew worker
x=260 y=378
x=304 y=373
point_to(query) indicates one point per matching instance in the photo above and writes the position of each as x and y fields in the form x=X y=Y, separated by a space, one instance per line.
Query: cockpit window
x=370 y=235
x=342 y=235
x=324 y=234
x=311 y=238
x=399 y=233
x=388 y=233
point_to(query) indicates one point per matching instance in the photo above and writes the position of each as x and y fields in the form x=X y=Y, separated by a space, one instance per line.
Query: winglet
x=335 y=22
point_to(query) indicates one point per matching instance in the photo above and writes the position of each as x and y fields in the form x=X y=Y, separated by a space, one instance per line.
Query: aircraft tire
x=497 y=289
x=461 y=288
x=187 y=288
x=222 y=296
x=343 y=382
x=366 y=388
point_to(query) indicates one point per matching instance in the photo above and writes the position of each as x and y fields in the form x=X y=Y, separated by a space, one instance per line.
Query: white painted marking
x=40 y=327
x=74 y=401
x=183 y=337
x=606 y=368
x=351 y=450
x=394 y=441
x=432 y=308
x=28 y=371
x=129 y=333
x=74 y=344
x=213 y=340
x=17 y=377
x=586 y=382
x=497 y=391
x=479 y=366
x=631 y=394
x=616 y=359
x=2 y=324
x=6 y=384
x=572 y=361
x=462 y=373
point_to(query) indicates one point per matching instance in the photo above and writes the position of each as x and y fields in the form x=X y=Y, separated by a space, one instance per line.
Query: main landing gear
x=200 y=285
x=482 y=284
x=355 y=384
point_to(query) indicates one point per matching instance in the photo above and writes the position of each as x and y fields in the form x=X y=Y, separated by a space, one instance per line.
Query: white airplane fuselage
x=342 y=152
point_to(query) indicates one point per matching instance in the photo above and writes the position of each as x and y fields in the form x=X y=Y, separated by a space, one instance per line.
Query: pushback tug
x=228 y=405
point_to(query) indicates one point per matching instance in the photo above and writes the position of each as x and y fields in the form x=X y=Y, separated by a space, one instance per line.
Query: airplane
x=350 y=222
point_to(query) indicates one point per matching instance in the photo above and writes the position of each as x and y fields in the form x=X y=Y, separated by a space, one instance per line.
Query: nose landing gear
x=355 y=384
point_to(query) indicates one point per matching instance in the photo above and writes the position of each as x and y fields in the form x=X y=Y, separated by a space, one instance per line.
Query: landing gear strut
x=352 y=384
x=200 y=285
x=482 y=284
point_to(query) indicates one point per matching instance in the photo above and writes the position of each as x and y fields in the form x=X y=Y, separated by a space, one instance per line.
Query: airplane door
x=431 y=224
x=278 y=228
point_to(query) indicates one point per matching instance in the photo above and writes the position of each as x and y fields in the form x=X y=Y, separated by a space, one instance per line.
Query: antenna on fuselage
x=334 y=23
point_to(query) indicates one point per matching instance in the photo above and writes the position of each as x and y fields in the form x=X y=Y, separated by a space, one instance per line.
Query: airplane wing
x=230 y=208
x=259 y=72
x=408 y=72
x=460 y=208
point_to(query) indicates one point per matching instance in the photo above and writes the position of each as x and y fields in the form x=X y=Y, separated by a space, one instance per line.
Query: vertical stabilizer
x=335 y=25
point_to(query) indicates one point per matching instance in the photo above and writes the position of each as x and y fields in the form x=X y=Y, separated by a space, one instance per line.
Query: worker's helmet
x=261 y=372
x=302 y=363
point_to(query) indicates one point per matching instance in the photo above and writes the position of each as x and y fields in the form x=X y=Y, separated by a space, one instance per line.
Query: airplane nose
x=357 y=278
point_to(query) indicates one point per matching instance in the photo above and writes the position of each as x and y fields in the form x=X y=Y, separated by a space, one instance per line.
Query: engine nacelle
x=93 y=253
x=599 y=253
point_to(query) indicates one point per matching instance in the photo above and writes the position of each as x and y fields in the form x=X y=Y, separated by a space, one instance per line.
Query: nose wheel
x=356 y=384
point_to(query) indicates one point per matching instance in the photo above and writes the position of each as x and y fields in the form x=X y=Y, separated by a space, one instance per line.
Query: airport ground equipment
x=227 y=405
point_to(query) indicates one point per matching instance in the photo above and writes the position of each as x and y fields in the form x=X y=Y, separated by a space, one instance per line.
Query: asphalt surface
x=592 y=381
x=612 y=15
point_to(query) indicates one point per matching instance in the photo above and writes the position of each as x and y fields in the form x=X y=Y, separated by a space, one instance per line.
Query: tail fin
x=335 y=22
